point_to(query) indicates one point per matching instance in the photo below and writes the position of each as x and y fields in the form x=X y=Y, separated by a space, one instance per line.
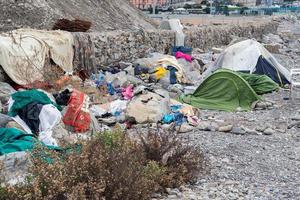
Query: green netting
x=224 y=90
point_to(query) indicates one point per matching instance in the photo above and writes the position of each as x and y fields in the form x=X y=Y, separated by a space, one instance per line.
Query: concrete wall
x=112 y=47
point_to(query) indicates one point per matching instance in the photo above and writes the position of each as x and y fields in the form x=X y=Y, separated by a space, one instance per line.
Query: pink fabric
x=184 y=56
x=127 y=92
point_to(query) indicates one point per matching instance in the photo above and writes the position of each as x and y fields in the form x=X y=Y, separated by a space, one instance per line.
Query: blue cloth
x=99 y=79
x=177 y=117
x=173 y=78
x=183 y=49
x=175 y=108
x=111 y=89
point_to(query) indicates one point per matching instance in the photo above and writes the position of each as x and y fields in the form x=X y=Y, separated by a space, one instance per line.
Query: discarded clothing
x=127 y=92
x=160 y=72
x=24 y=53
x=187 y=57
x=98 y=111
x=138 y=70
x=63 y=97
x=23 y=98
x=77 y=114
x=30 y=115
x=171 y=61
x=49 y=118
x=193 y=120
x=111 y=89
x=176 y=117
x=185 y=109
x=14 y=140
x=183 y=49
x=117 y=107
x=173 y=78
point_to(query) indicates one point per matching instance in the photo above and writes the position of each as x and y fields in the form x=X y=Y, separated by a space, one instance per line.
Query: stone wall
x=210 y=36
x=111 y=47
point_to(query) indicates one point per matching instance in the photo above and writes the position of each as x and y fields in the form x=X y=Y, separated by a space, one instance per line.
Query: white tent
x=250 y=56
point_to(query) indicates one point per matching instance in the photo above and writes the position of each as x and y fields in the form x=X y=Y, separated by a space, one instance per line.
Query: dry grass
x=113 y=166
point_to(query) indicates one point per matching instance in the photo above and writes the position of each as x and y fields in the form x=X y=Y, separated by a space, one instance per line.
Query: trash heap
x=169 y=90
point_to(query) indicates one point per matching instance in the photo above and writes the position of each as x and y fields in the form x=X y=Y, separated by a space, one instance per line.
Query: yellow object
x=171 y=61
x=160 y=72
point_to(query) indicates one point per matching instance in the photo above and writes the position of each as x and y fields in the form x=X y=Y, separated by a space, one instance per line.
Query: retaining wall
x=112 y=47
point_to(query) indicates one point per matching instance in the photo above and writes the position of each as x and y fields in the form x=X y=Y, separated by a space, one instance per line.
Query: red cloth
x=184 y=56
x=75 y=116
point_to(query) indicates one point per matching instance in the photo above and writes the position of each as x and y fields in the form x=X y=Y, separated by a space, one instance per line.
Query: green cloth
x=23 y=98
x=14 y=140
x=261 y=84
x=224 y=90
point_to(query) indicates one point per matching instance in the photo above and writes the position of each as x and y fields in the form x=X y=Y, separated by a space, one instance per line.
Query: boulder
x=14 y=168
x=149 y=107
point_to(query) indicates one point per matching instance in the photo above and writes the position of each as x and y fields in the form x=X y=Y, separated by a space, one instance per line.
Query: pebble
x=238 y=130
x=269 y=131
x=261 y=129
x=204 y=126
x=261 y=106
x=225 y=129
x=185 y=128
x=250 y=131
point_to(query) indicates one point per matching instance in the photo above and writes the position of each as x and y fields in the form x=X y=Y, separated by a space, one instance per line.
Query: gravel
x=263 y=163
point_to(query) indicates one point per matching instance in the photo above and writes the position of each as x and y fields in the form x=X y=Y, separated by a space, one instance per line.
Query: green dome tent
x=227 y=90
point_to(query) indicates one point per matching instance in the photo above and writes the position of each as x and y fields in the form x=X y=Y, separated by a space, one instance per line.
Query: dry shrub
x=183 y=162
x=4 y=193
x=76 y=25
x=112 y=166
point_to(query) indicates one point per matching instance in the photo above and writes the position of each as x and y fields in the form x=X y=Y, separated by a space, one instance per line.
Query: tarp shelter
x=24 y=52
x=224 y=90
x=251 y=56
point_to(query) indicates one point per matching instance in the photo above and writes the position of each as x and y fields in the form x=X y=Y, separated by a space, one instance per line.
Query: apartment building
x=143 y=4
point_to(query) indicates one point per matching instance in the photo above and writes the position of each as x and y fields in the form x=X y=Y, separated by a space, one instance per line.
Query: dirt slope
x=105 y=14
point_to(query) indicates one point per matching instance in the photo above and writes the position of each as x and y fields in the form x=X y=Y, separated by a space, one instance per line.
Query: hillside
x=41 y=14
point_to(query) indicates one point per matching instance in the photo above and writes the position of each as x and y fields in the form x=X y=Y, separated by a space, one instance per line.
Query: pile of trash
x=164 y=89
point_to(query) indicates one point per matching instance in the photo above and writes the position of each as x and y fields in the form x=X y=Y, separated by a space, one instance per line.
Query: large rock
x=14 y=168
x=149 y=107
x=42 y=14
x=5 y=90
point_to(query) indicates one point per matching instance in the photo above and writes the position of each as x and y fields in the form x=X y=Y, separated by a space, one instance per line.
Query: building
x=247 y=3
x=144 y=4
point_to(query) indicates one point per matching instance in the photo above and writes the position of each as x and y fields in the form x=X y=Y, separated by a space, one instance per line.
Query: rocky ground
x=260 y=157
